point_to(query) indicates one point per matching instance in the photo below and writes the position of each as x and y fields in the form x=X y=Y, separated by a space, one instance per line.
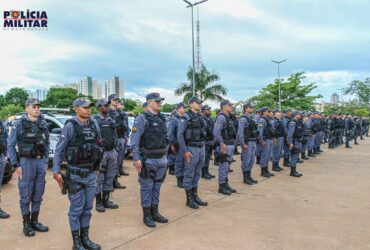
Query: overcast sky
x=147 y=43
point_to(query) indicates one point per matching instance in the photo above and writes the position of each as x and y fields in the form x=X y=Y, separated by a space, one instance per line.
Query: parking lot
x=328 y=208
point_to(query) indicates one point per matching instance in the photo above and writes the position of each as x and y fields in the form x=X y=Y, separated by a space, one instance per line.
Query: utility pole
x=279 y=81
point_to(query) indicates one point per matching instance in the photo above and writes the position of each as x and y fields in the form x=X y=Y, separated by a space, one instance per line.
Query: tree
x=167 y=107
x=294 y=94
x=205 y=86
x=60 y=98
x=16 y=96
x=2 y=101
x=361 y=89
x=10 y=110
x=130 y=104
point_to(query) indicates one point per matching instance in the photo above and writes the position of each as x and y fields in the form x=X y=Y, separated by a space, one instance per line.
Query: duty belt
x=195 y=144
x=153 y=156
x=80 y=172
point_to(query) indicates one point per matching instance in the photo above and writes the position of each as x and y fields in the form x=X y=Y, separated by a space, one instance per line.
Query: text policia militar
x=25 y=19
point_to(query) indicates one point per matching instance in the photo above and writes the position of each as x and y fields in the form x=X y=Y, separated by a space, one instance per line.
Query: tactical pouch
x=26 y=151
x=75 y=187
x=72 y=155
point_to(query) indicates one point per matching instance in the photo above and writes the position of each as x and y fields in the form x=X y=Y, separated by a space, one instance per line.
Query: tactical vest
x=195 y=129
x=268 y=131
x=3 y=143
x=250 y=132
x=279 y=129
x=108 y=133
x=351 y=124
x=228 y=133
x=119 y=117
x=154 y=139
x=298 y=131
x=210 y=125
x=33 y=138
x=84 y=148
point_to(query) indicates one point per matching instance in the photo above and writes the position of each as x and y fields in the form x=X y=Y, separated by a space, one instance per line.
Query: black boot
x=311 y=154
x=246 y=178
x=77 y=244
x=275 y=167
x=123 y=172
x=106 y=202
x=197 y=199
x=117 y=185
x=147 y=217
x=3 y=215
x=27 y=228
x=294 y=173
x=264 y=174
x=232 y=190
x=180 y=183
x=223 y=190
x=36 y=225
x=319 y=149
x=286 y=162
x=99 y=207
x=299 y=160
x=205 y=175
x=209 y=174
x=304 y=157
x=347 y=145
x=258 y=160
x=236 y=152
x=86 y=242
x=268 y=172
x=157 y=216
x=230 y=170
x=190 y=200
x=171 y=169
x=250 y=177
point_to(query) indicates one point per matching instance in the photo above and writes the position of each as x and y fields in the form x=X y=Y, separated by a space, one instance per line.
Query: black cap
x=154 y=96
x=263 y=109
x=204 y=107
x=288 y=110
x=102 y=102
x=112 y=97
x=247 y=105
x=180 y=105
x=195 y=99
x=276 y=110
x=295 y=112
x=225 y=102
x=32 y=101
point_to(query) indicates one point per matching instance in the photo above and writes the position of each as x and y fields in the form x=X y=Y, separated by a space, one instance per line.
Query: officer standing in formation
x=247 y=136
x=122 y=128
x=108 y=164
x=286 y=120
x=123 y=133
x=176 y=158
x=210 y=125
x=295 y=134
x=79 y=143
x=149 y=147
x=31 y=136
x=277 y=147
x=348 y=129
x=225 y=136
x=191 y=135
x=3 y=147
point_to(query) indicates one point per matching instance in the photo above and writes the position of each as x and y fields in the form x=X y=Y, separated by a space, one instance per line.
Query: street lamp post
x=191 y=5
x=278 y=64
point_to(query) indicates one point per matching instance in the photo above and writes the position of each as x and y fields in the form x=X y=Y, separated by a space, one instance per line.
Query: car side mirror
x=56 y=131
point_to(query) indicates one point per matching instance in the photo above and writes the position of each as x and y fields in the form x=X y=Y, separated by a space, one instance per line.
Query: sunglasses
x=35 y=106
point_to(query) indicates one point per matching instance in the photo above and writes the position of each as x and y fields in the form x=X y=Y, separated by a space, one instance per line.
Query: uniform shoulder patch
x=134 y=129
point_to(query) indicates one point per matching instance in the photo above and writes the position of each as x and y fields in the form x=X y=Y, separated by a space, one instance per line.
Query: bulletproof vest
x=195 y=129
x=108 y=133
x=298 y=131
x=83 y=148
x=210 y=124
x=33 y=138
x=154 y=139
x=336 y=123
x=228 y=133
x=250 y=132
x=268 y=131
x=120 y=119
x=279 y=129
x=3 y=143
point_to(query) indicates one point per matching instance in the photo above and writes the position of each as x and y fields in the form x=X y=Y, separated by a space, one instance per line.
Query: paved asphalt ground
x=327 y=208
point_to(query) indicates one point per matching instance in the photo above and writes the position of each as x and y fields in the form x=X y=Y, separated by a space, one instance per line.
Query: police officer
x=225 y=136
x=191 y=135
x=295 y=134
x=31 y=135
x=247 y=136
x=3 y=146
x=277 y=147
x=210 y=125
x=108 y=164
x=348 y=129
x=79 y=145
x=310 y=123
x=177 y=157
x=120 y=120
x=149 y=147
x=265 y=137
x=307 y=134
x=286 y=120
x=123 y=134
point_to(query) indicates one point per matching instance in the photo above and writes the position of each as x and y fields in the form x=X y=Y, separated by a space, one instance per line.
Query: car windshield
x=131 y=121
x=63 y=119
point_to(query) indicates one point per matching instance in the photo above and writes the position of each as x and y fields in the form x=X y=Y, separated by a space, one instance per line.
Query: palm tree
x=205 y=87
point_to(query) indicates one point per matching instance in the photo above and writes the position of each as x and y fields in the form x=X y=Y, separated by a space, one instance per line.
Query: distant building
x=38 y=93
x=114 y=86
x=320 y=107
x=86 y=86
x=334 y=99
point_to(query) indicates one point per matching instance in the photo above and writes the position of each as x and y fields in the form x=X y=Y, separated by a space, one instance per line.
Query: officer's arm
x=12 y=142
x=60 y=149
x=181 y=128
x=242 y=124
x=261 y=126
x=170 y=132
x=137 y=132
x=291 y=129
x=217 y=129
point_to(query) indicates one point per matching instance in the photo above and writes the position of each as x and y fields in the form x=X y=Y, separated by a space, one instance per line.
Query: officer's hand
x=274 y=141
x=245 y=148
x=138 y=166
x=173 y=149
x=187 y=156
x=59 y=179
x=19 y=172
x=223 y=148
x=263 y=143
x=291 y=146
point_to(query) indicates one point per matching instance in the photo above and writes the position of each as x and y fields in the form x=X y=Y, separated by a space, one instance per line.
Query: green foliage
x=130 y=104
x=137 y=110
x=60 y=98
x=353 y=107
x=362 y=112
x=16 y=96
x=9 y=110
x=205 y=86
x=2 y=101
x=167 y=107
x=294 y=94
x=361 y=89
